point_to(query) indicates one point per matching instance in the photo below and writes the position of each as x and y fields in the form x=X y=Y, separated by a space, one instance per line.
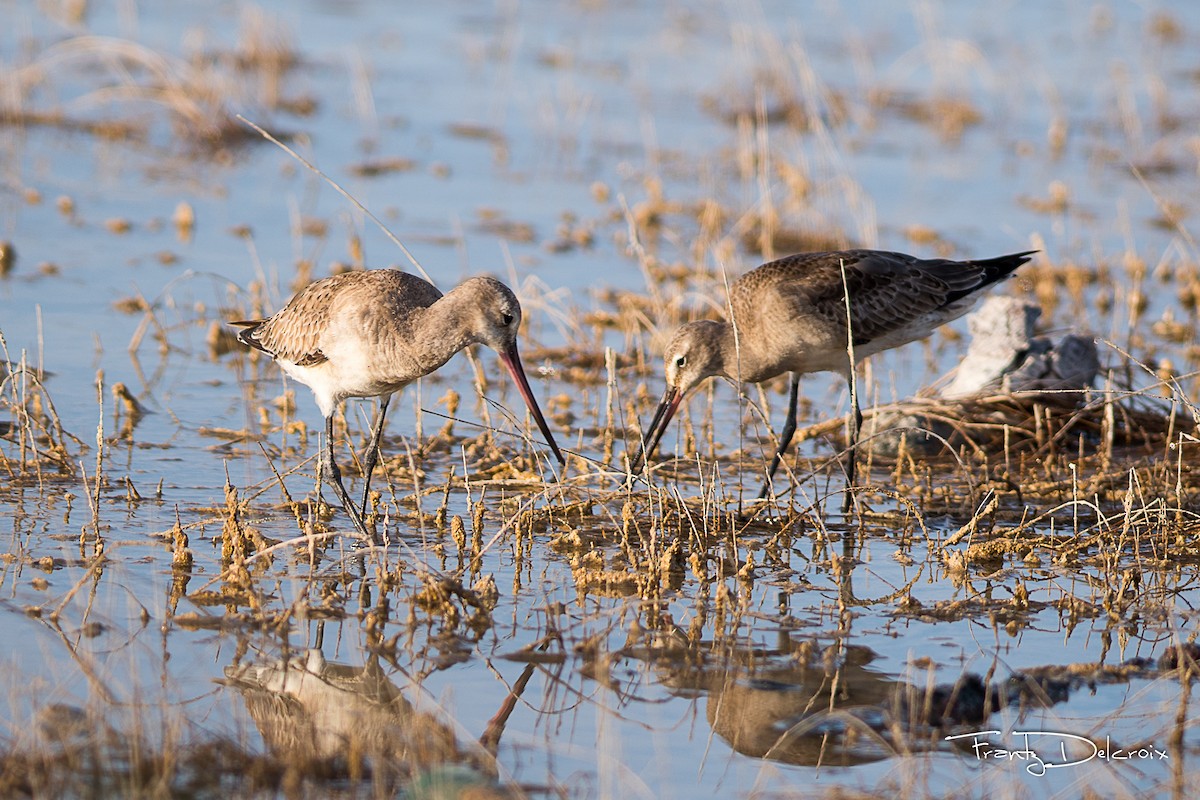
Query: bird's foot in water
x=758 y=508
x=328 y=467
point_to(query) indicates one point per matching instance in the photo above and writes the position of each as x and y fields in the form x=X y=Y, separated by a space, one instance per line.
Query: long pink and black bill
x=512 y=360
x=658 y=426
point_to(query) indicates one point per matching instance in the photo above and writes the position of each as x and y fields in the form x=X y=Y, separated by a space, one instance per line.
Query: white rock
x=1004 y=356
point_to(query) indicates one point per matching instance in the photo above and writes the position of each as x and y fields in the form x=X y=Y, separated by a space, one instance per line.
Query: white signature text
x=1041 y=751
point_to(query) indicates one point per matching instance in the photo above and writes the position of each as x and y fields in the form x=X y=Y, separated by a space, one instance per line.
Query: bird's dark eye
x=681 y=361
x=506 y=320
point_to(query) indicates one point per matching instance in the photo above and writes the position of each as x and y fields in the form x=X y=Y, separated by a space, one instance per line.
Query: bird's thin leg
x=785 y=436
x=373 y=452
x=335 y=480
x=855 y=425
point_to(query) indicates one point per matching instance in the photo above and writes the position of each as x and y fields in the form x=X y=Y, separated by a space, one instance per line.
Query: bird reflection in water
x=334 y=720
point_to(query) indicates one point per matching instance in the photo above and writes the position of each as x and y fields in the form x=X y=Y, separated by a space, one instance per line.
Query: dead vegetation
x=1011 y=514
x=124 y=90
x=1004 y=491
x=34 y=446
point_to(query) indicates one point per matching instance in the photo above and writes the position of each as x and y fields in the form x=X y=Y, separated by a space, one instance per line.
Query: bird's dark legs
x=785 y=436
x=329 y=464
x=373 y=452
x=855 y=425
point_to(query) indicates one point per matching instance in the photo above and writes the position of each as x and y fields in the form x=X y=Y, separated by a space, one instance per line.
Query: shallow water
x=508 y=118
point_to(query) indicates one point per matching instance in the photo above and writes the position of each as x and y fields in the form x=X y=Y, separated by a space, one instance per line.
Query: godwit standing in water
x=792 y=315
x=369 y=334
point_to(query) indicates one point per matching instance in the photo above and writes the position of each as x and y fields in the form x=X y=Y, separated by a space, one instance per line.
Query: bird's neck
x=739 y=359
x=441 y=333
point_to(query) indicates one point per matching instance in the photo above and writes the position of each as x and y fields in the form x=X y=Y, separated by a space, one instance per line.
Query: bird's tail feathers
x=246 y=335
x=1000 y=267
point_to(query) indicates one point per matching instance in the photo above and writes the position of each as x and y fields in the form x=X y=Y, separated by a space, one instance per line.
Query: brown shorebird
x=369 y=334
x=817 y=312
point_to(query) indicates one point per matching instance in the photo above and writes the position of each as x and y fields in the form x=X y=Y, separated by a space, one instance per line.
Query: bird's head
x=492 y=311
x=693 y=355
x=493 y=317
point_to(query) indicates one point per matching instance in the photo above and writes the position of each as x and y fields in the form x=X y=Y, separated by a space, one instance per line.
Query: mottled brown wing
x=888 y=291
x=295 y=332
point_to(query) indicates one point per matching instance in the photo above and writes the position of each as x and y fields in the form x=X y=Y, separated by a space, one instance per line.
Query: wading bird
x=370 y=334
x=817 y=312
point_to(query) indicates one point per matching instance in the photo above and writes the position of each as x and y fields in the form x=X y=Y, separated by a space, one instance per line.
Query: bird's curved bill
x=512 y=360
x=658 y=426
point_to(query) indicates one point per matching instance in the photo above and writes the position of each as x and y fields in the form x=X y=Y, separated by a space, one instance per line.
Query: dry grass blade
x=337 y=187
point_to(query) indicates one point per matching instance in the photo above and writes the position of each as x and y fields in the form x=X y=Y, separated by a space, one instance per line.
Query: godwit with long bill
x=369 y=334
x=816 y=312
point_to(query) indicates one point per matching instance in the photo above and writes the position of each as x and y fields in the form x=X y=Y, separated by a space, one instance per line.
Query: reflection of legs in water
x=495 y=727
x=490 y=740
x=843 y=570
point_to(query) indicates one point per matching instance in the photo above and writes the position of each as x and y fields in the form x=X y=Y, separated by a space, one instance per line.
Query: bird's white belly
x=331 y=384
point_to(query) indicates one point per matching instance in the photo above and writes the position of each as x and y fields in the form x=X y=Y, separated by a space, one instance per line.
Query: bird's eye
x=681 y=361
x=506 y=320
